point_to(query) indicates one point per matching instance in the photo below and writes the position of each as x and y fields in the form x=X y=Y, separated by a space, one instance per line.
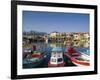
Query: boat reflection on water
x=41 y=55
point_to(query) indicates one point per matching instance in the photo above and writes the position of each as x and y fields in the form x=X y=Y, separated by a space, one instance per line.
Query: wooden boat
x=33 y=59
x=37 y=54
x=77 y=58
x=56 y=59
x=32 y=62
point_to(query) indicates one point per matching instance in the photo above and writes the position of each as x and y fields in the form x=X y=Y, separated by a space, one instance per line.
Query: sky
x=55 y=21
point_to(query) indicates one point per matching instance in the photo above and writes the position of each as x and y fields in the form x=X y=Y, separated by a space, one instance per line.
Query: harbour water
x=47 y=48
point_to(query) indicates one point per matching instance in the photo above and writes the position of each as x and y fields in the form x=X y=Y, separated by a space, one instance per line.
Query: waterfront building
x=67 y=38
x=76 y=36
x=87 y=36
x=54 y=34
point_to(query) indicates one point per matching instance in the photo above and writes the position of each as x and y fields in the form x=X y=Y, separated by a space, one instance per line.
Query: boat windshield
x=57 y=52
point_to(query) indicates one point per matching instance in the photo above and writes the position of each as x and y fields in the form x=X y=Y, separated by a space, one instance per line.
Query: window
x=53 y=60
x=60 y=59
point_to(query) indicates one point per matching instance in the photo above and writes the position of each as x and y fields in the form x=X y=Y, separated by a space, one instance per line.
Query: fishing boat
x=32 y=62
x=26 y=51
x=77 y=58
x=37 y=54
x=56 y=59
x=33 y=59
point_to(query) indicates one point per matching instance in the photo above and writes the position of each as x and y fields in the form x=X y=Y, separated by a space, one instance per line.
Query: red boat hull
x=76 y=57
x=80 y=62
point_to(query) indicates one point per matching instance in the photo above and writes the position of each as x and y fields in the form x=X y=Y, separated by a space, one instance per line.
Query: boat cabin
x=56 y=57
